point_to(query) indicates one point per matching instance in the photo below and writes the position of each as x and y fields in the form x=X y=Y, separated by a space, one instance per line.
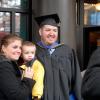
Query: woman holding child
x=12 y=87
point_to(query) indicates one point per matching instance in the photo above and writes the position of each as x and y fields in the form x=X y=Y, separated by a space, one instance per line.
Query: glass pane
x=21 y=25
x=25 y=4
x=5 y=22
x=91 y=14
x=14 y=3
x=17 y=22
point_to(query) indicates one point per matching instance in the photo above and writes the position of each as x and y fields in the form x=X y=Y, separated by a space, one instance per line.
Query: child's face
x=28 y=53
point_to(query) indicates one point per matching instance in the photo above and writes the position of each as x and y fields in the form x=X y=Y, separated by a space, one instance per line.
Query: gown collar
x=40 y=43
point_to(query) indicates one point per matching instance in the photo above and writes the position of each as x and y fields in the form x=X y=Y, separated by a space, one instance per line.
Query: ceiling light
x=97 y=6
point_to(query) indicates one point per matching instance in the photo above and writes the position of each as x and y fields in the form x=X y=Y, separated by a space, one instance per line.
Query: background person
x=11 y=85
x=91 y=79
x=62 y=73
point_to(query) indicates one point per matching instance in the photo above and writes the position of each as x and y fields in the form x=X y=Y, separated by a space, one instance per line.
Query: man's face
x=49 y=34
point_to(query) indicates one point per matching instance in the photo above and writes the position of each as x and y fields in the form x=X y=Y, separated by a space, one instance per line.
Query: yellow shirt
x=38 y=77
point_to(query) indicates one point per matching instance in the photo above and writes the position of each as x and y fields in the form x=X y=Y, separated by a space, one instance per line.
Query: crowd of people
x=50 y=70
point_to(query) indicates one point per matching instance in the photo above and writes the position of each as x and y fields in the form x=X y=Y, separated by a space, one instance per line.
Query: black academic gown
x=62 y=73
x=91 y=80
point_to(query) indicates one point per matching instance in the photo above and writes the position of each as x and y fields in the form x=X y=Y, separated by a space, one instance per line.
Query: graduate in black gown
x=62 y=73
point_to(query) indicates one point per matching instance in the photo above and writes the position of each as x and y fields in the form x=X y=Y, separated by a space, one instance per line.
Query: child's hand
x=28 y=72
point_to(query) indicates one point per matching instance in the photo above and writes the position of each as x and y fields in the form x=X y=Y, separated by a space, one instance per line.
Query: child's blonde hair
x=28 y=43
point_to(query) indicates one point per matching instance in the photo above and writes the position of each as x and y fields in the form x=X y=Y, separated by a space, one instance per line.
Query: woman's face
x=13 y=50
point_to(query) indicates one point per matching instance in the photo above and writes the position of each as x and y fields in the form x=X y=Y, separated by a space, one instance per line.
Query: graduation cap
x=52 y=19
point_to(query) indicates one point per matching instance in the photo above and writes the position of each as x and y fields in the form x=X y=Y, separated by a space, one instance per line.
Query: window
x=5 y=22
x=91 y=14
x=15 y=17
x=14 y=4
x=91 y=28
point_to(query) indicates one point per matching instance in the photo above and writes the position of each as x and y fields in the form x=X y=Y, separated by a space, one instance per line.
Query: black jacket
x=62 y=73
x=11 y=85
x=91 y=80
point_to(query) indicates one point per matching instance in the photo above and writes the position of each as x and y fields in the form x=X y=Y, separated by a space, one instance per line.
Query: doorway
x=91 y=42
